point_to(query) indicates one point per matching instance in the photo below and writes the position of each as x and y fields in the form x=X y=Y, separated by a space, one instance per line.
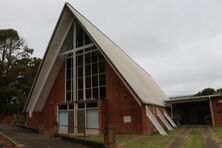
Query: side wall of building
x=48 y=117
x=217 y=110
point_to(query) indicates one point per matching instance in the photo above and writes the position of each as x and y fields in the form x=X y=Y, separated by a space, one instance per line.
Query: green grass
x=138 y=141
x=194 y=139
x=217 y=131
x=154 y=141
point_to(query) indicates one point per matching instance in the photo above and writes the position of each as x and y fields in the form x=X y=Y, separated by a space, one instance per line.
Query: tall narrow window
x=69 y=77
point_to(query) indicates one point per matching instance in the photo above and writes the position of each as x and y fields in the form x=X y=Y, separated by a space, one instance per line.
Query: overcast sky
x=179 y=42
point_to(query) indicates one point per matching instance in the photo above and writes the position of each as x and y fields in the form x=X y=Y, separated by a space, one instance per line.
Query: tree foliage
x=209 y=91
x=17 y=71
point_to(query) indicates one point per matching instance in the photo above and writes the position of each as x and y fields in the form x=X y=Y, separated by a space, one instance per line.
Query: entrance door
x=63 y=121
x=92 y=120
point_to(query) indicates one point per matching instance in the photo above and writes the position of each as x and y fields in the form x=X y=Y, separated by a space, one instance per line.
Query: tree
x=17 y=71
x=206 y=91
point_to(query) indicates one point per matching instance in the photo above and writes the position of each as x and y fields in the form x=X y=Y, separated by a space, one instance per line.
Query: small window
x=63 y=107
x=71 y=106
x=81 y=105
x=94 y=68
x=90 y=105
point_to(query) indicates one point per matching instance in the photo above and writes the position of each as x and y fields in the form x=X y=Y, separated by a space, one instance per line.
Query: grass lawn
x=217 y=131
x=132 y=141
x=154 y=141
x=194 y=140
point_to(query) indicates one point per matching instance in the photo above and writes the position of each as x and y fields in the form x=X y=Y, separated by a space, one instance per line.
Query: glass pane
x=95 y=81
x=102 y=92
x=95 y=93
x=80 y=60
x=88 y=94
x=68 y=85
x=93 y=104
x=68 y=74
x=80 y=83
x=94 y=56
x=101 y=67
x=71 y=106
x=80 y=95
x=100 y=56
x=87 y=58
x=88 y=82
x=69 y=62
x=87 y=39
x=80 y=71
x=68 y=96
x=94 y=68
x=81 y=105
x=88 y=70
x=79 y=36
x=61 y=107
x=102 y=79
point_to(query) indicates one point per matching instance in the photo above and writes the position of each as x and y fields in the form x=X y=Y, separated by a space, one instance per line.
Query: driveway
x=27 y=139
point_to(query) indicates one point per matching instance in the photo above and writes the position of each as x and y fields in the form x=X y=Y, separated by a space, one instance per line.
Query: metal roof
x=192 y=99
x=139 y=82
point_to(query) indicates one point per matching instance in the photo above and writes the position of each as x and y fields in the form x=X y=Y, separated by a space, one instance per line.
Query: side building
x=86 y=82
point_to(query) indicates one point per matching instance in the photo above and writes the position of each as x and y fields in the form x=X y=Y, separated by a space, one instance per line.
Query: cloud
x=178 y=42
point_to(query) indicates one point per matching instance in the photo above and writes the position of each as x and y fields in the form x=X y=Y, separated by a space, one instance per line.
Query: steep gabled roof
x=139 y=82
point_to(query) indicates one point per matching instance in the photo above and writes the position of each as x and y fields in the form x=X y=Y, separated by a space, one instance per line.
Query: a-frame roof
x=139 y=82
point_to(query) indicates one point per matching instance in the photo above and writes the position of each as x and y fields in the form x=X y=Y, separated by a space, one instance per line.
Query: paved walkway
x=209 y=141
x=178 y=142
x=28 y=139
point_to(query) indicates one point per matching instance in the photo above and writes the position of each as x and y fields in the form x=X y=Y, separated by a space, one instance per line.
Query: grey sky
x=179 y=42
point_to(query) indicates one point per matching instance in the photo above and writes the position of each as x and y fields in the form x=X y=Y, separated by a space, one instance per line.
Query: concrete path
x=28 y=139
x=209 y=141
x=178 y=142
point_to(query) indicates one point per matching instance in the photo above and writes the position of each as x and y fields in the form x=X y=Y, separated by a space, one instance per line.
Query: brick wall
x=47 y=118
x=119 y=103
x=217 y=110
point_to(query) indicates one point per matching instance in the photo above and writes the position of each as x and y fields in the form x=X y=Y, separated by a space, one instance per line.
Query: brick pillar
x=109 y=137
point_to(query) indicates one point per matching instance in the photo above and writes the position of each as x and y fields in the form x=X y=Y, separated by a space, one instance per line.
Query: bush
x=18 y=119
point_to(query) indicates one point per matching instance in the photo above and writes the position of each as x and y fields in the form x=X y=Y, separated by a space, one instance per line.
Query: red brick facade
x=119 y=103
x=217 y=110
x=47 y=118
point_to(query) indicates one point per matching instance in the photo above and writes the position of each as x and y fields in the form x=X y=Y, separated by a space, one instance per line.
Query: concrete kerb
x=10 y=140
x=35 y=130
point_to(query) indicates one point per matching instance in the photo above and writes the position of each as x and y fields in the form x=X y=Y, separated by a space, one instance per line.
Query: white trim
x=163 y=119
x=169 y=119
x=155 y=122
x=75 y=49
x=49 y=69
